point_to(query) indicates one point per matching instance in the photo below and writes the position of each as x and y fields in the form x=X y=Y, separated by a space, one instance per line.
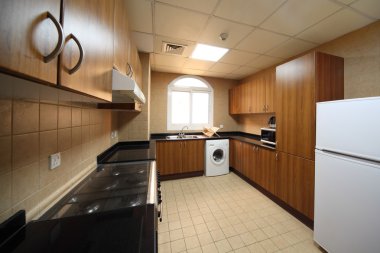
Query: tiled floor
x=225 y=214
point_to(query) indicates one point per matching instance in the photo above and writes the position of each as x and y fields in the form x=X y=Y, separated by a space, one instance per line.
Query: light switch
x=54 y=161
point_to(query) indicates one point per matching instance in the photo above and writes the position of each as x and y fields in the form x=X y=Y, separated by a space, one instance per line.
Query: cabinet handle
x=130 y=70
x=276 y=156
x=81 y=54
x=58 y=48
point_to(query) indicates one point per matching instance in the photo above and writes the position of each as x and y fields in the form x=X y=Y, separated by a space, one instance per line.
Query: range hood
x=125 y=89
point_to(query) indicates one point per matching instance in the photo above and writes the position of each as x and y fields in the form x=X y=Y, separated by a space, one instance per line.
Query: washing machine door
x=218 y=156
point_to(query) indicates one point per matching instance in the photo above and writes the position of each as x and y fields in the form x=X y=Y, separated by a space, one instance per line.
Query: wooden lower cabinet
x=295 y=182
x=176 y=157
x=266 y=169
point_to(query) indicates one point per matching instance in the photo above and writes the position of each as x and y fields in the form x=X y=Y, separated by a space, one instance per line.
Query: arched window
x=190 y=103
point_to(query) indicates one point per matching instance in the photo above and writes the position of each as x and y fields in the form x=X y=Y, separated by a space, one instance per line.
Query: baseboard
x=181 y=175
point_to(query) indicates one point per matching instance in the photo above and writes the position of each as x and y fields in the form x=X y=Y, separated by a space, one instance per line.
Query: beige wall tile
x=85 y=117
x=5 y=116
x=30 y=205
x=25 y=149
x=76 y=136
x=25 y=117
x=64 y=139
x=25 y=182
x=5 y=215
x=76 y=116
x=64 y=116
x=5 y=154
x=46 y=175
x=48 y=117
x=5 y=192
x=48 y=143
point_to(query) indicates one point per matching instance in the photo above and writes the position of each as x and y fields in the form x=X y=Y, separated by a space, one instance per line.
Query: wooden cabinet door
x=252 y=158
x=295 y=183
x=295 y=113
x=270 y=82
x=193 y=155
x=260 y=93
x=231 y=155
x=238 y=156
x=169 y=157
x=252 y=93
x=266 y=166
x=246 y=158
x=92 y=24
x=27 y=35
x=121 y=40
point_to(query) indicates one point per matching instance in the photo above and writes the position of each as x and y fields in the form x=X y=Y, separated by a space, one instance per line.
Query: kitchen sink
x=189 y=136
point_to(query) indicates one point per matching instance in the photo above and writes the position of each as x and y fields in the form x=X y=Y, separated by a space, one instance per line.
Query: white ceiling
x=261 y=32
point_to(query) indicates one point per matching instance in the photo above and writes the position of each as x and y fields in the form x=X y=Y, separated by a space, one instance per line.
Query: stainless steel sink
x=189 y=136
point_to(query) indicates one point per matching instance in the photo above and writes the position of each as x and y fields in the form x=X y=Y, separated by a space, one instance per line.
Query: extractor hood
x=125 y=89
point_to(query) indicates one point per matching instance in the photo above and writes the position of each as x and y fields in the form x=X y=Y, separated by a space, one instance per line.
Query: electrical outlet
x=221 y=126
x=54 y=161
x=113 y=134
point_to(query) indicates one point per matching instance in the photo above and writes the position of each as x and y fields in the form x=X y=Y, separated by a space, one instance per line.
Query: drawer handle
x=58 y=48
x=81 y=54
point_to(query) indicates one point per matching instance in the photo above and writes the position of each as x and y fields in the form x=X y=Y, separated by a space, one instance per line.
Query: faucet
x=182 y=134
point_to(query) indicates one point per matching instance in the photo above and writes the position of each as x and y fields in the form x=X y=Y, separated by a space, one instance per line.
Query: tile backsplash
x=35 y=122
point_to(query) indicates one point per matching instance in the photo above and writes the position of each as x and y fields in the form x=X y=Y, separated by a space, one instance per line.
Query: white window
x=190 y=103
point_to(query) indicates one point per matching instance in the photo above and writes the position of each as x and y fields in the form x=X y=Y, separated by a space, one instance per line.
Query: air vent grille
x=172 y=48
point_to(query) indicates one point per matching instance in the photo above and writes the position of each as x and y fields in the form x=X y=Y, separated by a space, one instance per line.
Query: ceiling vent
x=172 y=48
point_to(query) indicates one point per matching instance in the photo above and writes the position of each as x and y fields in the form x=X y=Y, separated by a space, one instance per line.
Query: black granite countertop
x=128 y=151
x=241 y=136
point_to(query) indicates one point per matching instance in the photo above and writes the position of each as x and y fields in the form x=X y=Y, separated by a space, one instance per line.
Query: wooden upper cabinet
x=121 y=37
x=301 y=83
x=28 y=34
x=88 y=26
x=255 y=94
x=295 y=182
x=193 y=155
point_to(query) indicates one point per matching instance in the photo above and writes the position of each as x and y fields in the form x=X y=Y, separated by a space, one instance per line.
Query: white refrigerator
x=347 y=176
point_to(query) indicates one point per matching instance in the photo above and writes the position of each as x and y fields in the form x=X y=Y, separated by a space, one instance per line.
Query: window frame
x=171 y=87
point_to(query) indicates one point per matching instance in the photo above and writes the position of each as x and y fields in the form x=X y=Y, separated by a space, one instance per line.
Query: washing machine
x=216 y=159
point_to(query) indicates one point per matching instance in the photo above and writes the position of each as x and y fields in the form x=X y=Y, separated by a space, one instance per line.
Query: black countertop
x=128 y=151
x=241 y=136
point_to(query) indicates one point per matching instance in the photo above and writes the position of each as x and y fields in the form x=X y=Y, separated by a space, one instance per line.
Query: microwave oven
x=268 y=136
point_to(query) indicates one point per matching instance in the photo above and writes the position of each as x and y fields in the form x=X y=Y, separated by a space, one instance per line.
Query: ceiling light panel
x=251 y=12
x=208 y=53
x=178 y=23
x=196 y=5
x=296 y=15
x=216 y=26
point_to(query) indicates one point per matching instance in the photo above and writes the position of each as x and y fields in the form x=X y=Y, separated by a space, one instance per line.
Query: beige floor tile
x=192 y=242
x=236 y=242
x=163 y=227
x=259 y=235
x=176 y=234
x=164 y=248
x=198 y=220
x=163 y=237
x=280 y=242
x=242 y=250
x=223 y=246
x=186 y=223
x=234 y=220
x=217 y=235
x=256 y=248
x=251 y=225
x=195 y=250
x=307 y=246
x=269 y=246
x=229 y=231
x=205 y=238
x=270 y=231
x=240 y=228
x=174 y=225
x=178 y=246
x=248 y=238
x=201 y=228
x=210 y=248
x=189 y=231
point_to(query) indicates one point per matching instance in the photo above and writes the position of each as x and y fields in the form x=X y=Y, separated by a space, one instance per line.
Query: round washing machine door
x=218 y=156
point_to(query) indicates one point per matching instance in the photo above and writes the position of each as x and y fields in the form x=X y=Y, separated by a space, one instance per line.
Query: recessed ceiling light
x=208 y=53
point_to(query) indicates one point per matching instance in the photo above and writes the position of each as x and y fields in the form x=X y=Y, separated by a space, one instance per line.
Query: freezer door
x=350 y=127
x=347 y=204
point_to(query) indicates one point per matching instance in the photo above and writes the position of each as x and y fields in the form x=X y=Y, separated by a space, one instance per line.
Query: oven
x=268 y=136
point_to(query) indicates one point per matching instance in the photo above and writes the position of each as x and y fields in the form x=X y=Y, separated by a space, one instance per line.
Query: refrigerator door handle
x=345 y=153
